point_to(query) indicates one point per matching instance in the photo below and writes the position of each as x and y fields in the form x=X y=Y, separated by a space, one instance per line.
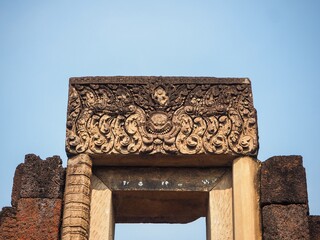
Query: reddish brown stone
x=36 y=199
x=314 y=227
x=8 y=224
x=16 y=188
x=41 y=179
x=286 y=222
x=283 y=181
x=39 y=218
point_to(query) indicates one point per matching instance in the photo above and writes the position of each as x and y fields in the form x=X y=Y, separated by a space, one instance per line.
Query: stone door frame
x=233 y=210
x=172 y=122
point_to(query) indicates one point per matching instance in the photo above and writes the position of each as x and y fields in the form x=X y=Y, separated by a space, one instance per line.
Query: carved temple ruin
x=160 y=150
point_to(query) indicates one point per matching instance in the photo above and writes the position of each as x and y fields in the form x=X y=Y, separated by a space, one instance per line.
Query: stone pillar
x=76 y=214
x=101 y=211
x=220 y=216
x=246 y=205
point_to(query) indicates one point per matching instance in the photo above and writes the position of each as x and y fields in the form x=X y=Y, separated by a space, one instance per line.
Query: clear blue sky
x=274 y=43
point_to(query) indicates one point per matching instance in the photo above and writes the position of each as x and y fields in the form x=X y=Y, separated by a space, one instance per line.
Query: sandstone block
x=161 y=115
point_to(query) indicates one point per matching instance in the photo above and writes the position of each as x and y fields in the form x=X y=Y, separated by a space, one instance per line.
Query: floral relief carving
x=161 y=117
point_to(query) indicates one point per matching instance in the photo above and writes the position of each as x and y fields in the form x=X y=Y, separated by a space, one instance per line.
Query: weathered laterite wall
x=284 y=199
x=37 y=196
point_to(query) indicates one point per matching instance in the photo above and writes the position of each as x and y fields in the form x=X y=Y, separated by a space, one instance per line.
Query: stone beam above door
x=161 y=119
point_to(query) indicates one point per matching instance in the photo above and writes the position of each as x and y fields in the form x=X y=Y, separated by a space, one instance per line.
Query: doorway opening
x=195 y=230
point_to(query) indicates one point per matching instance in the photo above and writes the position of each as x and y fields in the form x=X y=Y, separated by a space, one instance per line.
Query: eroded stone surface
x=37 y=178
x=16 y=188
x=314 y=227
x=8 y=224
x=36 y=200
x=285 y=222
x=39 y=218
x=283 y=180
x=168 y=115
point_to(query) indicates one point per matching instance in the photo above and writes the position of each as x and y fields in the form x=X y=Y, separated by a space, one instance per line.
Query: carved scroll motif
x=157 y=117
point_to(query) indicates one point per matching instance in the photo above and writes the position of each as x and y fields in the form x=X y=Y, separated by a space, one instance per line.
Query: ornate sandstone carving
x=133 y=115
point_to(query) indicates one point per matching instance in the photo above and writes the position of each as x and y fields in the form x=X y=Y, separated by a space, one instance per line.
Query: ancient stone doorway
x=161 y=150
x=158 y=195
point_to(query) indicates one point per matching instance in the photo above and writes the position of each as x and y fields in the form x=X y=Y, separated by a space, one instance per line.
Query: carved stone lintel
x=168 y=115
